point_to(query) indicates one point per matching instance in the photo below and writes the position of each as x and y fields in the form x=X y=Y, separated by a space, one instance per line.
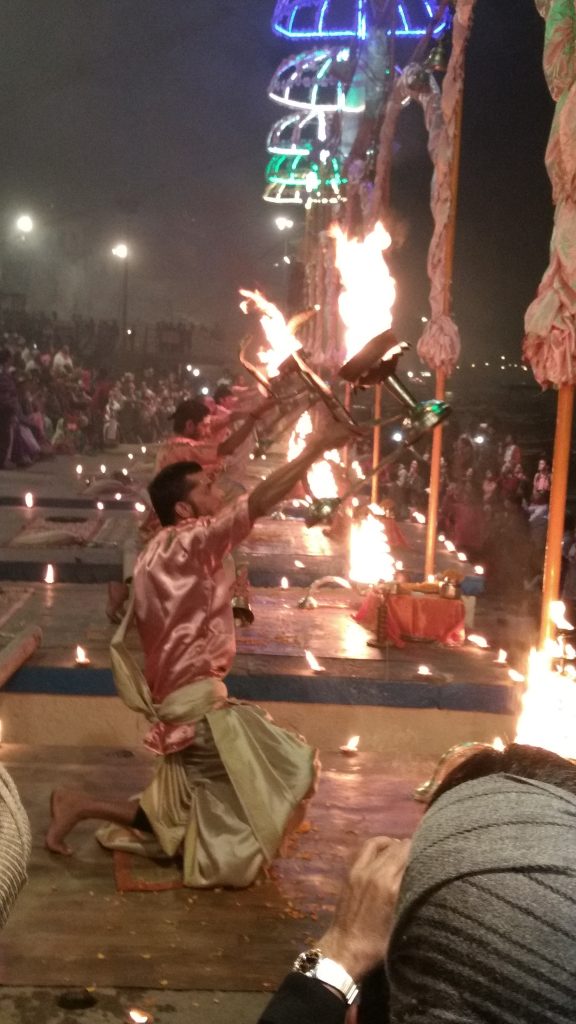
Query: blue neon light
x=414 y=20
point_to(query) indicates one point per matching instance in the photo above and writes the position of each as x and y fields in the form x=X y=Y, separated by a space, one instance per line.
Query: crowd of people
x=50 y=403
x=493 y=504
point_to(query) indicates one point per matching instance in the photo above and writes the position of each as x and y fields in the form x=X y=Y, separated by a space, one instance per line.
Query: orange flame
x=313 y=663
x=370 y=557
x=320 y=477
x=478 y=641
x=278 y=334
x=81 y=656
x=368 y=289
x=49 y=576
x=351 y=747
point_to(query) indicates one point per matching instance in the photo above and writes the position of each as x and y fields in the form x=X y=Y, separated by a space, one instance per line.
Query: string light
x=314 y=19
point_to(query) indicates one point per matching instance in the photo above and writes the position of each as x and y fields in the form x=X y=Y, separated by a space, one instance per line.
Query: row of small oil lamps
x=139 y=506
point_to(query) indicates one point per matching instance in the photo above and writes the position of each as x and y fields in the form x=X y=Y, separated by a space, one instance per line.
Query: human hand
x=359 y=935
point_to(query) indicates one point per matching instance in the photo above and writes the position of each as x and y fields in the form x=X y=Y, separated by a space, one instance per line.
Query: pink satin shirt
x=182 y=591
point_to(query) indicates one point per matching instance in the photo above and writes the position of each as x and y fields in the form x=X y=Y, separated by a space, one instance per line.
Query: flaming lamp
x=376 y=363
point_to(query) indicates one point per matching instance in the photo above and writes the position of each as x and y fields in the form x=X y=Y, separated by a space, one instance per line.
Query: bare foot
x=65 y=805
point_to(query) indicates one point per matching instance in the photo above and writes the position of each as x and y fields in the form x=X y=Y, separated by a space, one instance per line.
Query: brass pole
x=436 y=455
x=557 y=510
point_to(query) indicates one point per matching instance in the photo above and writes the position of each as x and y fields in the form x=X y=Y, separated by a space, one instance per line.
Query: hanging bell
x=437 y=59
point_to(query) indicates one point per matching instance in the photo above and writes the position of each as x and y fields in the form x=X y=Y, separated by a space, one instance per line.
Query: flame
x=479 y=641
x=516 y=676
x=139 y=506
x=370 y=558
x=368 y=289
x=313 y=663
x=479 y=570
x=49 y=576
x=358 y=470
x=558 y=615
x=299 y=564
x=284 y=583
x=29 y=499
x=462 y=557
x=79 y=469
x=320 y=477
x=352 y=744
x=419 y=517
x=139 y=1016
x=100 y=506
x=399 y=566
x=81 y=656
x=423 y=670
x=449 y=545
x=281 y=341
x=321 y=480
x=102 y=468
x=498 y=744
x=548 y=707
x=502 y=657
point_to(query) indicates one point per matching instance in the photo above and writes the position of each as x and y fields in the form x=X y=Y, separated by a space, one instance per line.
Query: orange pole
x=436 y=455
x=557 y=510
x=376 y=442
x=434 y=491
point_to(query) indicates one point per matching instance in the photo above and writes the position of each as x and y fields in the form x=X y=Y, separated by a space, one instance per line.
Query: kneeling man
x=229 y=783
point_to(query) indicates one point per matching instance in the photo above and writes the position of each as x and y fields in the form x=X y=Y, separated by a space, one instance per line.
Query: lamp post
x=24 y=225
x=122 y=252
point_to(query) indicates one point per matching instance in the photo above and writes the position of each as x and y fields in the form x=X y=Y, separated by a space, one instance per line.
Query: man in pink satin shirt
x=182 y=612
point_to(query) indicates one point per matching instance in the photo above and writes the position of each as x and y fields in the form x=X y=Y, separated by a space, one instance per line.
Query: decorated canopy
x=550 y=343
x=345 y=19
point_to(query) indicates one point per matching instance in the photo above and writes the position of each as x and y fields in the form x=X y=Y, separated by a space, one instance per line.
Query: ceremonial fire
x=368 y=289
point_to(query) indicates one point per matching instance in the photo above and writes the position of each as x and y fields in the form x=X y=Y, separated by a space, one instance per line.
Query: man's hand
x=359 y=935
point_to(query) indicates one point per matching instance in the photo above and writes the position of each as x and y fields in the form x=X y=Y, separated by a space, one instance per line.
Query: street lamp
x=284 y=223
x=122 y=252
x=24 y=224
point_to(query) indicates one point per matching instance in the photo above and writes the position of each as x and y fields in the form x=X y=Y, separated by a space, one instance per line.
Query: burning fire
x=502 y=657
x=49 y=576
x=29 y=499
x=278 y=334
x=368 y=289
x=313 y=663
x=320 y=477
x=81 y=656
x=548 y=714
x=351 y=747
x=284 y=583
x=370 y=557
x=478 y=641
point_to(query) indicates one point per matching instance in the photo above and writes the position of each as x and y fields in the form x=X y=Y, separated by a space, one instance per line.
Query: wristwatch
x=314 y=964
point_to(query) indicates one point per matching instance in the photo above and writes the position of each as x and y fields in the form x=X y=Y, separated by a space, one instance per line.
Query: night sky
x=150 y=116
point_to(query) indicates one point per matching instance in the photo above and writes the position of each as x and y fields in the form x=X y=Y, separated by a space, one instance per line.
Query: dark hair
x=170 y=486
x=191 y=409
x=517 y=759
x=222 y=391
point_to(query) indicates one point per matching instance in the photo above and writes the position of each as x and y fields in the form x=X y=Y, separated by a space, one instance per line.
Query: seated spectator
x=541 y=484
x=479 y=930
x=62 y=363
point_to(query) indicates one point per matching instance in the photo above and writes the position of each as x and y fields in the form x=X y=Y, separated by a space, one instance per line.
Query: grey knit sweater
x=485 y=927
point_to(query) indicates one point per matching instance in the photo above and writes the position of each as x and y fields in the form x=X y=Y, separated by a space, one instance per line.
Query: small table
x=424 y=617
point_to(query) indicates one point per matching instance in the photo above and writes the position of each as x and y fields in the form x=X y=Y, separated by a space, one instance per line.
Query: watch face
x=307 y=961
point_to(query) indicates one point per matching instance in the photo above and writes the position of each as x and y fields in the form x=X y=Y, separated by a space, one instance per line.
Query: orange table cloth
x=415 y=617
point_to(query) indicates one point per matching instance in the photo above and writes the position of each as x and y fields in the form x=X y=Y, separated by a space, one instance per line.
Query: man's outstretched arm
x=278 y=485
x=229 y=446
